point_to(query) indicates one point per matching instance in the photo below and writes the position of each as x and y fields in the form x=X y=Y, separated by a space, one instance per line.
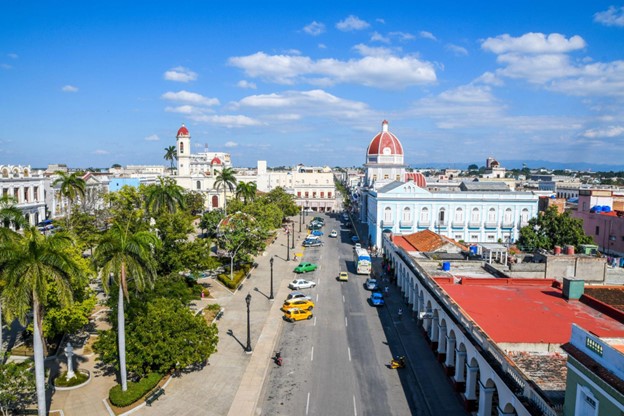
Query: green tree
x=284 y=200
x=551 y=229
x=225 y=179
x=167 y=196
x=27 y=266
x=239 y=235
x=268 y=214
x=194 y=202
x=127 y=206
x=173 y=230
x=171 y=154
x=72 y=186
x=121 y=255
x=210 y=220
x=10 y=215
x=84 y=226
x=17 y=387
x=473 y=167
x=246 y=191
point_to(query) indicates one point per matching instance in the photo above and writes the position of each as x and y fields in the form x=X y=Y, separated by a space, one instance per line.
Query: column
x=416 y=302
x=460 y=362
x=434 y=332
x=485 y=400
x=427 y=323
x=441 y=350
x=471 y=382
x=450 y=355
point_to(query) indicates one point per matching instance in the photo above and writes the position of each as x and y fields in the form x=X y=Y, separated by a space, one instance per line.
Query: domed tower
x=384 y=159
x=183 y=141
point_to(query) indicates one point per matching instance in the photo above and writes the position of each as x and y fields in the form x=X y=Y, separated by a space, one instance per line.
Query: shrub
x=238 y=275
x=135 y=390
x=62 y=380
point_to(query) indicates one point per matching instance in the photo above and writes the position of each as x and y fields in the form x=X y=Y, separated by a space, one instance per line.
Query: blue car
x=376 y=299
x=317 y=233
x=355 y=239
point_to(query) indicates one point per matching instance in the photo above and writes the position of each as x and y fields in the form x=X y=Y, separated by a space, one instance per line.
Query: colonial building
x=398 y=201
x=27 y=188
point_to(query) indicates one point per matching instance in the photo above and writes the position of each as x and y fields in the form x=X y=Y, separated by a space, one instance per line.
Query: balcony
x=387 y=224
x=474 y=224
x=406 y=224
x=492 y=224
x=441 y=224
x=507 y=224
x=458 y=224
x=424 y=224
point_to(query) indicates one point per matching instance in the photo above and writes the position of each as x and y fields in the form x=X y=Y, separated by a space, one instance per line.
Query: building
x=602 y=212
x=500 y=341
x=399 y=202
x=27 y=188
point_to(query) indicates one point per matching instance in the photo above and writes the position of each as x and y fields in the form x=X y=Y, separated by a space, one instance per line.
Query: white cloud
x=605 y=132
x=533 y=43
x=536 y=68
x=5 y=66
x=101 y=152
x=426 y=35
x=69 y=88
x=613 y=16
x=402 y=35
x=230 y=144
x=152 y=138
x=322 y=46
x=606 y=79
x=489 y=78
x=246 y=84
x=190 y=98
x=180 y=74
x=352 y=23
x=379 y=68
x=315 y=28
x=228 y=120
x=457 y=50
x=378 y=37
x=12 y=55
x=182 y=109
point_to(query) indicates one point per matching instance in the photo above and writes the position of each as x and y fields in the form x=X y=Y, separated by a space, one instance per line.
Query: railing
x=458 y=224
x=406 y=223
x=426 y=223
x=489 y=224
x=474 y=224
x=507 y=224
x=385 y=223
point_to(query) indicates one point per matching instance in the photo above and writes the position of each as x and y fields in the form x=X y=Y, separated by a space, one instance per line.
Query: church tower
x=184 y=151
x=384 y=159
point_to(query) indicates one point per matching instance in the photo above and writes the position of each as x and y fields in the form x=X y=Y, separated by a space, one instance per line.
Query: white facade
x=27 y=188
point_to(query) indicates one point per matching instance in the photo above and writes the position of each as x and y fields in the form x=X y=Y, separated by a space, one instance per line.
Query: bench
x=154 y=396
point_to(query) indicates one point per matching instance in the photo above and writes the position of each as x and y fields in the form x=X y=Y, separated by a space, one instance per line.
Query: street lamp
x=300 y=217
x=293 y=235
x=271 y=294
x=248 y=347
x=287 y=244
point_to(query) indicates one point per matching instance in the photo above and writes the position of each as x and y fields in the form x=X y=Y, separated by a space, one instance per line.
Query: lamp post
x=248 y=347
x=293 y=235
x=287 y=244
x=300 y=217
x=271 y=294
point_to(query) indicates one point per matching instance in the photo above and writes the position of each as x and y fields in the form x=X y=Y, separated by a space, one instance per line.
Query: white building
x=399 y=202
x=27 y=188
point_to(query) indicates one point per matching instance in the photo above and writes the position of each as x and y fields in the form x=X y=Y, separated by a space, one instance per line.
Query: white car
x=298 y=295
x=333 y=234
x=301 y=284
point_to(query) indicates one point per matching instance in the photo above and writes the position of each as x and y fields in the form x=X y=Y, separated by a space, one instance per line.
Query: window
x=26 y=194
x=298 y=194
x=458 y=237
x=474 y=237
x=491 y=215
x=322 y=194
x=490 y=237
x=507 y=219
x=407 y=214
x=313 y=194
x=181 y=147
x=386 y=176
x=474 y=216
x=198 y=184
x=388 y=214
x=524 y=215
x=586 y=402
x=424 y=215
x=307 y=195
x=374 y=177
x=398 y=177
x=441 y=216
x=459 y=215
x=597 y=230
x=329 y=194
x=36 y=193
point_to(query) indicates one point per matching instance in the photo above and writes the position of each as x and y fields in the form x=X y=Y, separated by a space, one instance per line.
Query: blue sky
x=96 y=83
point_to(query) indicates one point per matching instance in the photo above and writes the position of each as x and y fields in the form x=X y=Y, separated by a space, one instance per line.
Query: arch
x=26 y=173
x=387 y=214
x=475 y=215
x=15 y=173
x=459 y=214
x=442 y=215
x=407 y=214
x=491 y=215
x=508 y=216
x=215 y=201
x=509 y=410
x=524 y=215
x=5 y=173
x=424 y=214
x=198 y=184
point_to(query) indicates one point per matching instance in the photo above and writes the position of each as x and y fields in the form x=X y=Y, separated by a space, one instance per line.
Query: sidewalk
x=232 y=376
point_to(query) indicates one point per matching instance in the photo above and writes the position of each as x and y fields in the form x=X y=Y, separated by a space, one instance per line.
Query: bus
x=362 y=261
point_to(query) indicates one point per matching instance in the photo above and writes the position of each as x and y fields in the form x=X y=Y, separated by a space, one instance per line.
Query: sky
x=94 y=83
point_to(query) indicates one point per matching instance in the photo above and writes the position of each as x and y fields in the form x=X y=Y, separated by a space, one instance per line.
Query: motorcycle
x=398 y=362
x=278 y=359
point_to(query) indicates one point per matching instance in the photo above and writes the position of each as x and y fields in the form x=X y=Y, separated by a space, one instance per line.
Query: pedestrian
x=400 y=312
x=386 y=289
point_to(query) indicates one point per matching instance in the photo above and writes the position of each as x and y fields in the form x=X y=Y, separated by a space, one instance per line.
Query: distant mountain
x=531 y=164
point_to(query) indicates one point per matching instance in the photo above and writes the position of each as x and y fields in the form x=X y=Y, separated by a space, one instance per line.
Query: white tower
x=184 y=151
x=384 y=159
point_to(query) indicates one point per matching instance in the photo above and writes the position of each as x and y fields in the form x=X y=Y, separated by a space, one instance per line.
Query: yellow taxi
x=296 y=314
x=343 y=277
x=301 y=303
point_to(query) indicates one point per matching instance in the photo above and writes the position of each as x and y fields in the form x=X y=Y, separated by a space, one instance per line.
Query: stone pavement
x=232 y=377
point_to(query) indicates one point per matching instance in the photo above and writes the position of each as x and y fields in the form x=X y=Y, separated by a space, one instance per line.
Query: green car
x=305 y=267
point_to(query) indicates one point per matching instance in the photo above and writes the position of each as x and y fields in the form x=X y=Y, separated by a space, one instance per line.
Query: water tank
x=557 y=250
x=606 y=208
x=474 y=250
x=569 y=250
x=446 y=266
x=597 y=208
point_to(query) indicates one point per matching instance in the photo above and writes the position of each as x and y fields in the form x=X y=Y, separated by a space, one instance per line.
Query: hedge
x=135 y=390
x=62 y=381
x=238 y=275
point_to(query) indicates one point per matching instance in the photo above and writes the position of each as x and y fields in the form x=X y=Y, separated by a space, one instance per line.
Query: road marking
x=312 y=354
x=308 y=403
x=343 y=299
x=354 y=406
x=315 y=321
x=349 y=352
x=346 y=324
x=317 y=298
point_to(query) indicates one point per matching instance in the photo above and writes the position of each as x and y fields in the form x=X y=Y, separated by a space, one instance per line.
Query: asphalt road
x=337 y=363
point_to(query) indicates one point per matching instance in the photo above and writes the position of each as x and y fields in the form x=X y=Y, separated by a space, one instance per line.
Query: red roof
x=425 y=241
x=216 y=161
x=385 y=140
x=417 y=177
x=526 y=310
x=182 y=131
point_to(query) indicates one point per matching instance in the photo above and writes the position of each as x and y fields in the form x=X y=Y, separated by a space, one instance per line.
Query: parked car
x=295 y=314
x=356 y=246
x=298 y=295
x=315 y=226
x=319 y=219
x=355 y=239
x=312 y=242
x=371 y=284
x=305 y=267
x=343 y=277
x=377 y=299
x=333 y=234
x=298 y=304
x=317 y=233
x=298 y=284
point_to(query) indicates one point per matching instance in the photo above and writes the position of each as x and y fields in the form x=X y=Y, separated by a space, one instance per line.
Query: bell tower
x=183 y=148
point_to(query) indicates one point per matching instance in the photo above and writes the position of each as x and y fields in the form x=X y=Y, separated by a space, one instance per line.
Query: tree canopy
x=550 y=229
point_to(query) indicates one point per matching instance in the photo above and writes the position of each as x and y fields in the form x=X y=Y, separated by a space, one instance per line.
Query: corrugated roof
x=484 y=187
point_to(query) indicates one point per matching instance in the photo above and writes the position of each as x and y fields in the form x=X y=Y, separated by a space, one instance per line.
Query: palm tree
x=225 y=179
x=29 y=264
x=171 y=154
x=246 y=191
x=72 y=186
x=122 y=255
x=166 y=196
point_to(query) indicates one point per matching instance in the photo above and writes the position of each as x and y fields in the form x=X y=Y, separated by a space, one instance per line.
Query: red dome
x=182 y=131
x=216 y=161
x=385 y=143
x=417 y=177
